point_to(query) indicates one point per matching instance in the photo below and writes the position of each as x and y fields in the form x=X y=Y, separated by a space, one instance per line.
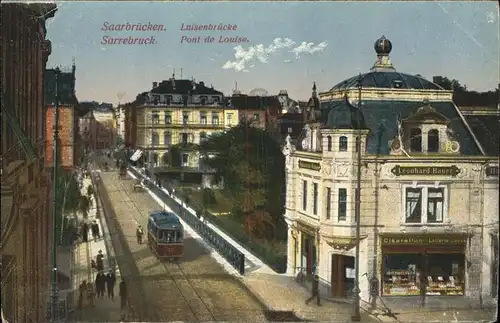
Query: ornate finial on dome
x=314 y=86
x=383 y=47
x=314 y=93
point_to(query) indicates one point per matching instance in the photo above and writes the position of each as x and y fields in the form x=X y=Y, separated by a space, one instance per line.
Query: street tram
x=165 y=235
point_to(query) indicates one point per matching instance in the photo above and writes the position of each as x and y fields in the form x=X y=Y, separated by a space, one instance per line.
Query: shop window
x=342 y=204
x=328 y=201
x=424 y=205
x=329 y=143
x=415 y=140
x=304 y=195
x=433 y=141
x=315 y=196
x=343 y=143
x=403 y=274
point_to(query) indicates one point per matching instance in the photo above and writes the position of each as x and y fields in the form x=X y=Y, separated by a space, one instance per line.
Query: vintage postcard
x=250 y=161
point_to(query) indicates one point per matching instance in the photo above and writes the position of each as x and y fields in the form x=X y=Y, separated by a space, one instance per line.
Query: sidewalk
x=105 y=309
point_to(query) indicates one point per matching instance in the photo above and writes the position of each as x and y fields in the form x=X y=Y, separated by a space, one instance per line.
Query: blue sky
x=455 y=39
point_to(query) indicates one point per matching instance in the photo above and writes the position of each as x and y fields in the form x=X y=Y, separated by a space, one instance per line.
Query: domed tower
x=383 y=47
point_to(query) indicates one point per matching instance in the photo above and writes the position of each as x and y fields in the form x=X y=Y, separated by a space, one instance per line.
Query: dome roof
x=383 y=74
x=388 y=79
x=343 y=115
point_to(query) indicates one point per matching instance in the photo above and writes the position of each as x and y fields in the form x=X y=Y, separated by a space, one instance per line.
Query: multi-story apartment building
x=181 y=114
x=105 y=123
x=26 y=225
x=428 y=198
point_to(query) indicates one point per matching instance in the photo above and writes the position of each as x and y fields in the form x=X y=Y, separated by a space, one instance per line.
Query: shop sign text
x=309 y=165
x=423 y=240
x=425 y=170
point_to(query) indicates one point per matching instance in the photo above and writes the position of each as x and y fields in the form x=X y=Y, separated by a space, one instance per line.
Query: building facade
x=428 y=191
x=25 y=238
x=105 y=128
x=181 y=114
x=88 y=131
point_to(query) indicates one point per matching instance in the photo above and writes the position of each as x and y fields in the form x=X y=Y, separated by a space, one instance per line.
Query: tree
x=252 y=166
x=67 y=196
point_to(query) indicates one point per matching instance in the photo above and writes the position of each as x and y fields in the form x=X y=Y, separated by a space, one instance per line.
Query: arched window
x=343 y=143
x=416 y=140
x=433 y=141
x=329 y=143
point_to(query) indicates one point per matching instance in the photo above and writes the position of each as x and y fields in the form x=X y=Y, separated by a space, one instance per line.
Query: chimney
x=202 y=83
x=155 y=84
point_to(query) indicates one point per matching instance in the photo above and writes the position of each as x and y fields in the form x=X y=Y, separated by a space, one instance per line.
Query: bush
x=208 y=197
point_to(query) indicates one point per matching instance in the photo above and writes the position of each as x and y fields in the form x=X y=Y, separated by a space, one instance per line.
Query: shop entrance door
x=308 y=258
x=341 y=280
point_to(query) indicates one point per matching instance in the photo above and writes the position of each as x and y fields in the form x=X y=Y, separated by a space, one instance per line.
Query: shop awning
x=137 y=154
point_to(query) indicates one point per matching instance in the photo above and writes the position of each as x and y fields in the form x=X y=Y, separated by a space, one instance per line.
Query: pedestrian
x=85 y=232
x=93 y=265
x=315 y=291
x=110 y=284
x=139 y=233
x=82 y=294
x=95 y=230
x=123 y=294
x=92 y=229
x=100 y=282
x=422 y=282
x=99 y=261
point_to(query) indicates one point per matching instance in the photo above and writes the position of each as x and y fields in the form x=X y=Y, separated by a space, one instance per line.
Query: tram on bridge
x=165 y=235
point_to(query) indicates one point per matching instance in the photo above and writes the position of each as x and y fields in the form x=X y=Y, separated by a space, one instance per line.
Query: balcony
x=210 y=105
x=182 y=124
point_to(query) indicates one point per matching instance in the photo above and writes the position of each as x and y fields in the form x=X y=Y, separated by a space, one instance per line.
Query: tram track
x=185 y=287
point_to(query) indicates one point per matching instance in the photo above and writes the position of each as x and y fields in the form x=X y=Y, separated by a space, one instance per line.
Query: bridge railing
x=224 y=248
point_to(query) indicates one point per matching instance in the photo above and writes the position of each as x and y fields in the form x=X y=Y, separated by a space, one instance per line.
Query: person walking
x=110 y=284
x=123 y=294
x=99 y=261
x=85 y=232
x=92 y=229
x=139 y=233
x=82 y=294
x=95 y=230
x=315 y=291
x=100 y=281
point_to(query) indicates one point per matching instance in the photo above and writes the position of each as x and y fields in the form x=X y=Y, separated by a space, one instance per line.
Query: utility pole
x=356 y=316
x=54 y=312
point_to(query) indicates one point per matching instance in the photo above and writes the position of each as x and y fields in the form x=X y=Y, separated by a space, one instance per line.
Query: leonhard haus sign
x=425 y=170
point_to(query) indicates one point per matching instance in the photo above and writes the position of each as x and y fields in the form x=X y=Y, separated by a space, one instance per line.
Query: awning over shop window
x=137 y=154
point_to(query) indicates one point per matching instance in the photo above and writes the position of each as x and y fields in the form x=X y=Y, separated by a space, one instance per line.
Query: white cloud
x=287 y=60
x=247 y=57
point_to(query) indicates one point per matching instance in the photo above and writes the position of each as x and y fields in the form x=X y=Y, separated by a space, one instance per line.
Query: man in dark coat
x=85 y=232
x=99 y=261
x=100 y=281
x=315 y=291
x=123 y=294
x=110 y=284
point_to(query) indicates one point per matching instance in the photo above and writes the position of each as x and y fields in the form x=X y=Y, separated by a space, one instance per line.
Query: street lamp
x=356 y=316
x=54 y=315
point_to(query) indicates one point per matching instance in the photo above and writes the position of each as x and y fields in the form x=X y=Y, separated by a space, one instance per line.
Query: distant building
x=68 y=109
x=88 y=131
x=180 y=114
x=105 y=123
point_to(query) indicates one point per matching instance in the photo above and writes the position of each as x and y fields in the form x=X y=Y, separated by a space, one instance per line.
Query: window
x=315 y=196
x=424 y=205
x=167 y=138
x=343 y=143
x=304 y=195
x=203 y=117
x=215 y=99
x=415 y=140
x=185 y=118
x=184 y=138
x=156 y=99
x=256 y=117
x=329 y=142
x=185 y=160
x=203 y=100
x=229 y=118
x=433 y=141
x=155 y=138
x=215 y=118
x=168 y=118
x=169 y=99
x=185 y=100
x=328 y=201
x=203 y=136
x=342 y=204
x=155 y=117
x=290 y=130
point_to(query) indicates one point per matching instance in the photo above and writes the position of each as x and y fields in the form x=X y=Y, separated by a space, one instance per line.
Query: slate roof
x=486 y=129
x=381 y=118
x=291 y=120
x=245 y=102
x=66 y=87
x=183 y=87
x=388 y=79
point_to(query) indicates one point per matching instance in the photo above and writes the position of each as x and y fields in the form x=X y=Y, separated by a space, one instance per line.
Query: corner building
x=429 y=192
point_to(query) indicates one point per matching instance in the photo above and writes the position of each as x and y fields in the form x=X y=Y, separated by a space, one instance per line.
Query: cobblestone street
x=196 y=289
